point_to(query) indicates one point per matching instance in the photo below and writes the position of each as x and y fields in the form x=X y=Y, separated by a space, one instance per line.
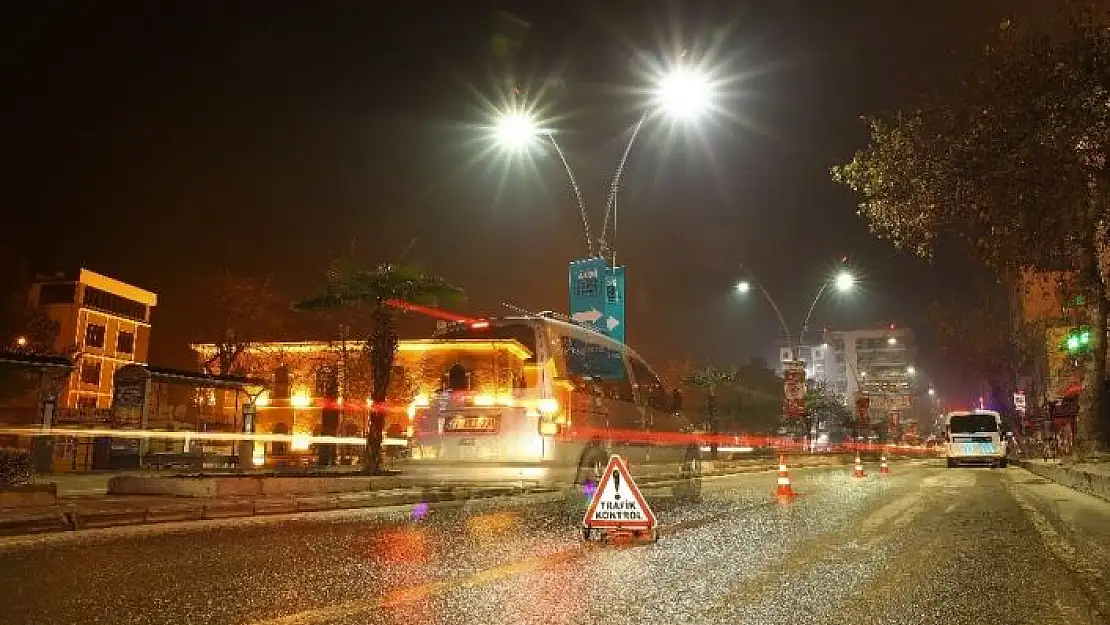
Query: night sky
x=159 y=141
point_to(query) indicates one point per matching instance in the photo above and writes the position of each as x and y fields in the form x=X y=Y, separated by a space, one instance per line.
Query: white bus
x=974 y=437
x=577 y=397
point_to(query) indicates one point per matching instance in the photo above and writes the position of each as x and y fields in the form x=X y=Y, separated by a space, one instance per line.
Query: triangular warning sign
x=617 y=503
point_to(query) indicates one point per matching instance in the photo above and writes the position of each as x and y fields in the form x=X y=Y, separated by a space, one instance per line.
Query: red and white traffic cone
x=784 y=490
x=883 y=467
x=858 y=473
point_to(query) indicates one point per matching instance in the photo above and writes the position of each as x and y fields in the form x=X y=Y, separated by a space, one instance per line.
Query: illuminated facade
x=104 y=324
x=294 y=400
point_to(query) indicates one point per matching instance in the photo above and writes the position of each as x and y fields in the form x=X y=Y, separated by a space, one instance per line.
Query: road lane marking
x=410 y=594
x=833 y=547
x=950 y=478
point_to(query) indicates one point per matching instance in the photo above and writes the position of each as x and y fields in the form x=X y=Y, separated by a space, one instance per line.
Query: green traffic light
x=1073 y=343
x=1085 y=338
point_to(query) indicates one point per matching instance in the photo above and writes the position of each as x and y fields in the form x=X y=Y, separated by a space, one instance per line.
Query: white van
x=974 y=437
x=577 y=397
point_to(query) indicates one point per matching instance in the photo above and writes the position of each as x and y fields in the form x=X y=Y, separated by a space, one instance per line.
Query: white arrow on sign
x=587 y=316
x=611 y=323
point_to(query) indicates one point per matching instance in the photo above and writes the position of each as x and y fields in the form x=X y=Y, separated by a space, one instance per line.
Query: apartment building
x=103 y=323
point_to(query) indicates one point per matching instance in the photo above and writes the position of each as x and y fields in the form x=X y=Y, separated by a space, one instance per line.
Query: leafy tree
x=745 y=399
x=709 y=379
x=976 y=343
x=373 y=289
x=825 y=407
x=755 y=398
x=245 y=311
x=1012 y=164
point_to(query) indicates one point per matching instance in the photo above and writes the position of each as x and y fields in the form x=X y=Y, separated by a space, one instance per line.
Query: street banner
x=794 y=389
x=1019 y=402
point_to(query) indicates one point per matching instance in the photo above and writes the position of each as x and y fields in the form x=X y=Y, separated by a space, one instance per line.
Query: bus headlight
x=549 y=428
x=547 y=406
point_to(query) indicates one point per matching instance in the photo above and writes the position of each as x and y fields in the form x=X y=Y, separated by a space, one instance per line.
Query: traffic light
x=1078 y=340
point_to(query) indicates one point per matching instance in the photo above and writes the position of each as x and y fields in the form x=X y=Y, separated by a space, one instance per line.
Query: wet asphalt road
x=925 y=545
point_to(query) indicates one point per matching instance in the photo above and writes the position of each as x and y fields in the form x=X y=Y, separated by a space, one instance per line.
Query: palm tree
x=378 y=289
x=709 y=378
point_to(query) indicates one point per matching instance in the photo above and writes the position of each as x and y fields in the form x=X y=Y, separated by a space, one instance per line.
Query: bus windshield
x=971 y=423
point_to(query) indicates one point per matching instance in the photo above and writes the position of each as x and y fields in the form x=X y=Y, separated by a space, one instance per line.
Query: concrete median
x=1091 y=482
x=189 y=498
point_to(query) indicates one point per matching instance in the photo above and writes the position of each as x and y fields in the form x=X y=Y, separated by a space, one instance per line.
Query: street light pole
x=577 y=192
x=614 y=189
x=518 y=131
x=682 y=92
x=778 y=313
x=843 y=280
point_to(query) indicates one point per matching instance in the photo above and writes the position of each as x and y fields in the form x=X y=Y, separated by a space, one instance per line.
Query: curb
x=173 y=511
x=1094 y=484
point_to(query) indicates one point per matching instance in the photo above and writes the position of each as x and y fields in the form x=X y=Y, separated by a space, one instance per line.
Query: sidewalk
x=84 y=504
x=1087 y=477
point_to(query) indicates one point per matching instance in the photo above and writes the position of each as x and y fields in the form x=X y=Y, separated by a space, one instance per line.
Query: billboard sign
x=794 y=389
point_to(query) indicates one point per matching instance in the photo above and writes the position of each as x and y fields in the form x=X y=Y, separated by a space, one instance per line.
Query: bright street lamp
x=681 y=93
x=516 y=130
x=845 y=281
x=932 y=392
x=892 y=341
x=684 y=93
x=910 y=370
x=743 y=286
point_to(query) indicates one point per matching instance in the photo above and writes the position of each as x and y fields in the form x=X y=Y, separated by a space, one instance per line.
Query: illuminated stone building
x=295 y=400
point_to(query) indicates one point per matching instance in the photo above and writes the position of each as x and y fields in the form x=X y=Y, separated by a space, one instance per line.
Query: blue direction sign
x=597 y=296
x=614 y=303
x=587 y=292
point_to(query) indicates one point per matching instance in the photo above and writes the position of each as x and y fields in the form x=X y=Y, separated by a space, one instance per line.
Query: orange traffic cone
x=784 y=489
x=883 y=467
x=859 y=468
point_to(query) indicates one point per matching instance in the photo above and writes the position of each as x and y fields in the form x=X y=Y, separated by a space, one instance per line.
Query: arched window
x=458 y=378
x=279 y=448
